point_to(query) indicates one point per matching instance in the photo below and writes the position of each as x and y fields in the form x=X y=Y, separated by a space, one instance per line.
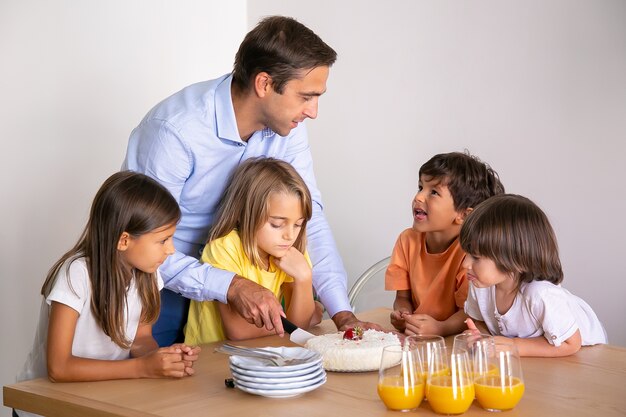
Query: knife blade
x=296 y=334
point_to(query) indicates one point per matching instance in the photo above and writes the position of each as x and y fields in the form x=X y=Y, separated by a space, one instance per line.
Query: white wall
x=536 y=88
x=76 y=77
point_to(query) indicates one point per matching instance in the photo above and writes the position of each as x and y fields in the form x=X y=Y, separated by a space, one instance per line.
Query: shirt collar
x=225 y=121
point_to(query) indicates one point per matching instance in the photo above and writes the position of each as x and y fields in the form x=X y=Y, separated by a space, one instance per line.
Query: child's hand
x=422 y=324
x=471 y=327
x=163 y=362
x=295 y=265
x=190 y=355
x=397 y=318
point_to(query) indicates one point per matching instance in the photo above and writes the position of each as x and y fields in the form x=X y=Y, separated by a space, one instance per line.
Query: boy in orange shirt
x=425 y=268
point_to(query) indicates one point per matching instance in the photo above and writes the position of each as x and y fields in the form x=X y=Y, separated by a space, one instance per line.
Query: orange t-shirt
x=436 y=280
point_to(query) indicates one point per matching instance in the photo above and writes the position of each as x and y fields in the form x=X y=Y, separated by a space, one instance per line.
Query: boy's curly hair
x=469 y=180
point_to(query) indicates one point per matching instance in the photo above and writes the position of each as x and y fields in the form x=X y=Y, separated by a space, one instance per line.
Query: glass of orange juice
x=476 y=344
x=400 y=384
x=452 y=391
x=426 y=345
x=499 y=383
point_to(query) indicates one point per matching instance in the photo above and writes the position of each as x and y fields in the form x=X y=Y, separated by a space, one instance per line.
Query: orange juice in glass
x=400 y=385
x=497 y=393
x=427 y=345
x=475 y=344
x=503 y=389
x=453 y=393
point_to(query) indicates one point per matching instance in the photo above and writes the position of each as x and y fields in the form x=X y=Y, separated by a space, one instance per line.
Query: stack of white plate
x=257 y=376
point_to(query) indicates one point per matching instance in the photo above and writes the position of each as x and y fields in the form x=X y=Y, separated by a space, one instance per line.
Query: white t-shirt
x=89 y=339
x=539 y=308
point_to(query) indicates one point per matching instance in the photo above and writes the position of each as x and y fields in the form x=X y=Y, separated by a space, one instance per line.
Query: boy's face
x=433 y=207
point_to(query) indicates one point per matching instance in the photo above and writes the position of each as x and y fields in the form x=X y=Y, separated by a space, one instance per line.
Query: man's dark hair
x=282 y=47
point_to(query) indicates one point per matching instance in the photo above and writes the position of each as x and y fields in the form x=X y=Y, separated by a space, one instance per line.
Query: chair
x=361 y=281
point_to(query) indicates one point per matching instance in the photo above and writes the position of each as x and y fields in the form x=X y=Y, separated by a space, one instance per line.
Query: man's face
x=298 y=101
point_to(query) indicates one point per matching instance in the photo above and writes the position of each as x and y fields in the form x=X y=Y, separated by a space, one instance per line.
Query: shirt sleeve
x=329 y=276
x=397 y=274
x=549 y=306
x=72 y=287
x=460 y=295
x=156 y=149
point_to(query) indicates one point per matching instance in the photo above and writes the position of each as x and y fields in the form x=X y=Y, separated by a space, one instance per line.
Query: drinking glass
x=476 y=345
x=400 y=384
x=499 y=383
x=452 y=391
x=426 y=345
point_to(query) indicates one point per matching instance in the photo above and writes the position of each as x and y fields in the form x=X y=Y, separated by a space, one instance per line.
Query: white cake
x=344 y=355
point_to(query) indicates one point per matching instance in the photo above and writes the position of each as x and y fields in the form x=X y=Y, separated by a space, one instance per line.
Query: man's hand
x=346 y=319
x=257 y=305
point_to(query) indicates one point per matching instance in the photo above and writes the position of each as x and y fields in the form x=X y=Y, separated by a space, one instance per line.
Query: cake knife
x=296 y=334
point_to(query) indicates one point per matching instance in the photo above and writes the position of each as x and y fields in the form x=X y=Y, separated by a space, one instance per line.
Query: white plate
x=283 y=385
x=275 y=374
x=281 y=393
x=255 y=364
x=280 y=380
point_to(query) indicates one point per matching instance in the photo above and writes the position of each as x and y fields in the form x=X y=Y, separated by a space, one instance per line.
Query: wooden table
x=590 y=383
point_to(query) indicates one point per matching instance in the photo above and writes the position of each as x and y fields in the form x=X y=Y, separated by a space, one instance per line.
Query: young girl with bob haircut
x=515 y=275
x=102 y=296
x=259 y=234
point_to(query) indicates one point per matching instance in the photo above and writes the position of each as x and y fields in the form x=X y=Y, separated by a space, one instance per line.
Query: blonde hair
x=245 y=203
x=126 y=202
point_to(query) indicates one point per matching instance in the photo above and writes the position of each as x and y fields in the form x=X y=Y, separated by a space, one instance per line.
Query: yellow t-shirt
x=204 y=323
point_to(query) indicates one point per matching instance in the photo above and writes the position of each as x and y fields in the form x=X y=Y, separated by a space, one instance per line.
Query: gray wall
x=76 y=76
x=537 y=89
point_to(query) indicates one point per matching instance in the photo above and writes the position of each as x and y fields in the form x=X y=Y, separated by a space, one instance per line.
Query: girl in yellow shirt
x=259 y=234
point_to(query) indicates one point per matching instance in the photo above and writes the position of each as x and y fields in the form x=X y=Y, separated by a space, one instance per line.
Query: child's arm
x=65 y=367
x=402 y=306
x=237 y=328
x=425 y=324
x=144 y=343
x=540 y=347
x=299 y=293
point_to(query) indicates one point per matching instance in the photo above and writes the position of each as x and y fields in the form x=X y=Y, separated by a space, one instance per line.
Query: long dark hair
x=126 y=202
x=516 y=234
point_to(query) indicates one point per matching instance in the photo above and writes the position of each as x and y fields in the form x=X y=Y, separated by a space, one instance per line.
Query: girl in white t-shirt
x=515 y=273
x=102 y=296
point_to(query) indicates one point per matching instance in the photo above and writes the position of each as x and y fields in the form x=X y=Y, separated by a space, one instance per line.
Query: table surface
x=591 y=382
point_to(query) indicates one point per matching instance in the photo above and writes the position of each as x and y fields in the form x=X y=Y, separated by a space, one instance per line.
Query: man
x=193 y=140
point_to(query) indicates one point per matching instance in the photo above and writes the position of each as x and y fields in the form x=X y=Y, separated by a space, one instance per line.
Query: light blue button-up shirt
x=190 y=143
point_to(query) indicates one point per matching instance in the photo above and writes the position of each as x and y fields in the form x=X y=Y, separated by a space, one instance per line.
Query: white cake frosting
x=344 y=355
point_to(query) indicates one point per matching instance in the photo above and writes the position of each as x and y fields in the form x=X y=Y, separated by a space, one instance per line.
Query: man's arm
x=329 y=276
x=155 y=149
